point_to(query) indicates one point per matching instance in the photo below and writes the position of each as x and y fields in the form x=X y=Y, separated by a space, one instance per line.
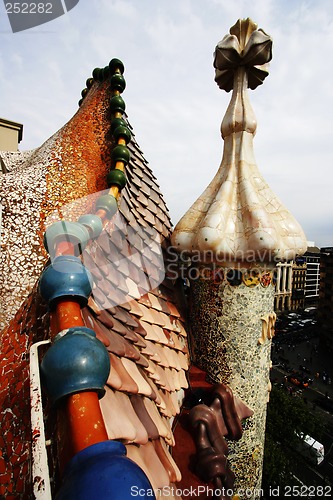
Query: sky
x=172 y=101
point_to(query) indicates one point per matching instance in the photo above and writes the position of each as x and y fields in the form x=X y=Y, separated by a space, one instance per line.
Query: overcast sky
x=171 y=98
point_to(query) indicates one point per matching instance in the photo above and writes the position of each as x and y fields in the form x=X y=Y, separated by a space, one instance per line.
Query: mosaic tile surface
x=134 y=309
x=226 y=325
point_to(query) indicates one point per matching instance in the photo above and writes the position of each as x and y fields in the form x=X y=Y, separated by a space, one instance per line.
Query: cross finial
x=245 y=46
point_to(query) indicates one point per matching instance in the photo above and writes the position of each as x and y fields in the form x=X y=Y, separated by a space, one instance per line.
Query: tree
x=287 y=417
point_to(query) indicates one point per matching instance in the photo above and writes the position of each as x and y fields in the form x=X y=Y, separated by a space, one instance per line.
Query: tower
x=235 y=234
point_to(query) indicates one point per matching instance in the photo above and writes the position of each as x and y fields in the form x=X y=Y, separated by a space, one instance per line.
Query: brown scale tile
x=127 y=382
x=125 y=210
x=175 y=342
x=148 y=314
x=122 y=423
x=125 y=305
x=124 y=251
x=160 y=228
x=160 y=348
x=163 y=429
x=180 y=328
x=142 y=212
x=153 y=351
x=183 y=360
x=159 y=317
x=137 y=169
x=136 y=181
x=122 y=287
x=170 y=323
x=135 y=272
x=99 y=297
x=100 y=260
x=170 y=338
x=168 y=410
x=154 y=395
x=165 y=230
x=175 y=402
x=142 y=198
x=163 y=218
x=150 y=218
x=116 y=343
x=163 y=381
x=121 y=328
x=135 y=308
x=151 y=371
x=155 y=197
x=173 y=309
x=182 y=379
x=176 y=475
x=133 y=354
x=144 y=299
x=176 y=379
x=171 y=357
x=149 y=178
x=106 y=318
x=170 y=380
x=145 y=189
x=148 y=351
x=123 y=266
x=123 y=316
x=133 y=289
x=163 y=305
x=143 y=415
x=134 y=192
x=92 y=304
x=89 y=263
x=159 y=331
x=103 y=242
x=152 y=207
x=114 y=380
x=155 y=303
x=117 y=239
x=151 y=334
x=132 y=369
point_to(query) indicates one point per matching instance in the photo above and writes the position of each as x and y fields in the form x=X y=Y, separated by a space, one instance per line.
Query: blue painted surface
x=103 y=472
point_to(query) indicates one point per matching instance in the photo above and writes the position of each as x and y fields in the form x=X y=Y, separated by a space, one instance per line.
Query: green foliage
x=287 y=416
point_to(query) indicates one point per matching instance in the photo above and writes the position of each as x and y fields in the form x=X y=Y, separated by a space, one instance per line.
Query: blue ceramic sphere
x=75 y=362
x=65 y=277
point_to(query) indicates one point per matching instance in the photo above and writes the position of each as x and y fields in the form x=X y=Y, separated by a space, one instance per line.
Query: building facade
x=325 y=309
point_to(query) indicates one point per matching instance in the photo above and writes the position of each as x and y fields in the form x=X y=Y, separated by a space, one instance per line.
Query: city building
x=11 y=134
x=312 y=282
x=283 y=286
x=325 y=308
